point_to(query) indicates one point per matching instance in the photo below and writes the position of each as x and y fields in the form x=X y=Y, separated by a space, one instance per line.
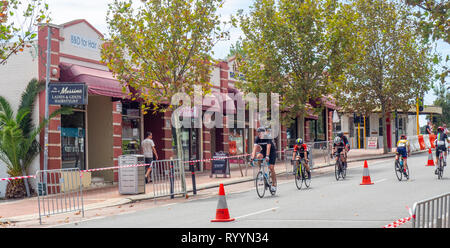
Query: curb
x=132 y=199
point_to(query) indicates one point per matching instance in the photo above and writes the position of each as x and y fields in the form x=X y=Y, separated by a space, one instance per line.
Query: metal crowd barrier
x=59 y=191
x=432 y=213
x=168 y=178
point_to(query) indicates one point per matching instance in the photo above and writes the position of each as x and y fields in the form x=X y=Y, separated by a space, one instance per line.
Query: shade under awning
x=99 y=82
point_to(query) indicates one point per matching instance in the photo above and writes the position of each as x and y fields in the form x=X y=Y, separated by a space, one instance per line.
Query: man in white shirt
x=148 y=149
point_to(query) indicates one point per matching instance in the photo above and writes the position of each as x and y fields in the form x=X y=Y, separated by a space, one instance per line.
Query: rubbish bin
x=131 y=179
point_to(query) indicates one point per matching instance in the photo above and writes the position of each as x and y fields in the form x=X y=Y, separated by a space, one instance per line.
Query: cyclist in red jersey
x=301 y=151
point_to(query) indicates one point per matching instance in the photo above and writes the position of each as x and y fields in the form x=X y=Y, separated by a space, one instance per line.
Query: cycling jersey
x=300 y=150
x=263 y=143
x=401 y=147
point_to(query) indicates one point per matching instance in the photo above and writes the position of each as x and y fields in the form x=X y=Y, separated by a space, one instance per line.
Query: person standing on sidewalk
x=429 y=128
x=148 y=148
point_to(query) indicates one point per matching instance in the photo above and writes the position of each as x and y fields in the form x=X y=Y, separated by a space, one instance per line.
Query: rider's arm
x=268 y=149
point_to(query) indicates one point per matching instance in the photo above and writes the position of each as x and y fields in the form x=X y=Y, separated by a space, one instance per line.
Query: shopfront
x=73 y=139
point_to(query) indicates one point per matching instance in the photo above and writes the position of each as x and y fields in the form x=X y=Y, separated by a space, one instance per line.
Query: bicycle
x=400 y=169
x=263 y=179
x=339 y=169
x=301 y=175
x=440 y=166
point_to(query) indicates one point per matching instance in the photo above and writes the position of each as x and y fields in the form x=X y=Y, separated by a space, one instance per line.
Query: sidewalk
x=27 y=209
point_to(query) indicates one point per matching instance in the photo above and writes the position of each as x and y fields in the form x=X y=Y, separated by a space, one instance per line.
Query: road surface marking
x=381 y=180
x=255 y=213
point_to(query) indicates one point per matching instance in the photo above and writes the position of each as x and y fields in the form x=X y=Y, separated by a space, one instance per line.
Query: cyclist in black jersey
x=268 y=151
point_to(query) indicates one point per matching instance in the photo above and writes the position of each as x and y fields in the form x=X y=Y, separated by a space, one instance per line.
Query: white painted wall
x=14 y=77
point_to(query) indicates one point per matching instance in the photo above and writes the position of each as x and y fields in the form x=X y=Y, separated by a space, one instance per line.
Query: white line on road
x=381 y=180
x=255 y=213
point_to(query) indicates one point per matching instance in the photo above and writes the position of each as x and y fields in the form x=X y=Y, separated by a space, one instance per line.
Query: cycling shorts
x=402 y=151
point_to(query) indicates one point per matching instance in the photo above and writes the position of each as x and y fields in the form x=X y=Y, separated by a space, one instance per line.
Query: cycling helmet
x=299 y=141
x=261 y=129
x=340 y=134
x=337 y=140
x=440 y=129
x=403 y=136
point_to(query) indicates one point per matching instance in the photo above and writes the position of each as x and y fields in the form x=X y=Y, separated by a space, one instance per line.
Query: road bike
x=263 y=179
x=301 y=175
x=440 y=165
x=340 y=171
x=400 y=169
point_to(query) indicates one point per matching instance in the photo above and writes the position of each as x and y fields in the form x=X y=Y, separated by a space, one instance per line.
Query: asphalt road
x=327 y=203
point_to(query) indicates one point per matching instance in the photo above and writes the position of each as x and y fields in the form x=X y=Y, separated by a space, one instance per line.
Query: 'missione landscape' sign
x=67 y=94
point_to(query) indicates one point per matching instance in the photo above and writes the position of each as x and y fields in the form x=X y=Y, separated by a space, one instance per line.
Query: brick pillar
x=283 y=138
x=225 y=135
x=307 y=131
x=167 y=150
x=117 y=135
x=330 y=125
x=206 y=147
x=54 y=141
x=54 y=133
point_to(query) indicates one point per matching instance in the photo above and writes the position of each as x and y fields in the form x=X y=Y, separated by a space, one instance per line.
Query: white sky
x=94 y=11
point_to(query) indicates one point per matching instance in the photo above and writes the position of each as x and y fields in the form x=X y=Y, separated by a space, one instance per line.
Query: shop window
x=292 y=134
x=73 y=140
x=131 y=128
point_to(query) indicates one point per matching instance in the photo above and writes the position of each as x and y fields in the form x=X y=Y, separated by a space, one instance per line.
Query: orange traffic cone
x=430 y=158
x=366 y=177
x=222 y=214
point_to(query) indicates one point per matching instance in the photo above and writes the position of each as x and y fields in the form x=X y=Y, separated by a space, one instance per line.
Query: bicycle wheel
x=298 y=177
x=270 y=183
x=260 y=184
x=398 y=170
x=343 y=170
x=306 y=179
x=440 y=168
x=336 y=170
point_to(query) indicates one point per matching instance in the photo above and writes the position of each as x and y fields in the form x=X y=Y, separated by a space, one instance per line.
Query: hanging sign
x=67 y=94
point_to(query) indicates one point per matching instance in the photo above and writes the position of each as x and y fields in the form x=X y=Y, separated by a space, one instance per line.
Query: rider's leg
x=273 y=175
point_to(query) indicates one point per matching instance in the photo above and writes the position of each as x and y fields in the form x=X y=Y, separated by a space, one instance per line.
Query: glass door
x=73 y=140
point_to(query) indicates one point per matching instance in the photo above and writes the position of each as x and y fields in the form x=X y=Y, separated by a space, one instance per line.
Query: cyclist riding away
x=403 y=149
x=301 y=151
x=268 y=151
x=441 y=145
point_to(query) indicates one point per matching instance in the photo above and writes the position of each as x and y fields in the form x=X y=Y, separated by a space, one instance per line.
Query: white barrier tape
x=211 y=159
x=16 y=178
x=401 y=221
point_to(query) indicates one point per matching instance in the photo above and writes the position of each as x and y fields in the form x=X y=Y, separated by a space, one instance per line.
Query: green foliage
x=18 y=21
x=443 y=101
x=292 y=48
x=390 y=66
x=18 y=144
x=162 y=47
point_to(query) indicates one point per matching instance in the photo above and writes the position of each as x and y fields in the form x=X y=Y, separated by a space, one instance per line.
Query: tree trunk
x=385 y=145
x=26 y=183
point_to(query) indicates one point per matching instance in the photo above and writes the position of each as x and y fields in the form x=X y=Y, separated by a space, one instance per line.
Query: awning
x=99 y=82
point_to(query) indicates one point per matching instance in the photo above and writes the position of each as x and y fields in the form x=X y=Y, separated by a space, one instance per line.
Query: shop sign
x=67 y=94
x=83 y=42
x=372 y=142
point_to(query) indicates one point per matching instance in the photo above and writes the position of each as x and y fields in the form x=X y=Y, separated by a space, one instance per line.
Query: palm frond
x=5 y=108
x=27 y=101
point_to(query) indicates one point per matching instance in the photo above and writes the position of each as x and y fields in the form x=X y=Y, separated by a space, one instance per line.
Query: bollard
x=194 y=186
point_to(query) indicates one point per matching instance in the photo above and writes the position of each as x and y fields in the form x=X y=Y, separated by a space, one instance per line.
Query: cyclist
x=441 y=145
x=403 y=149
x=301 y=151
x=268 y=151
x=346 y=147
x=339 y=147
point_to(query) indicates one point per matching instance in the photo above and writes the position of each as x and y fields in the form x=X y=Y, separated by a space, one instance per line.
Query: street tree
x=18 y=24
x=161 y=48
x=292 y=48
x=433 y=18
x=389 y=66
